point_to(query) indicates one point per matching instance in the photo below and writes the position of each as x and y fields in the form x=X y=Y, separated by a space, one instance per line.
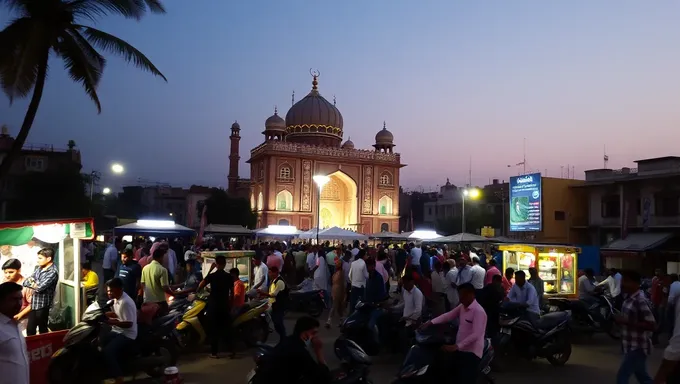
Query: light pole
x=116 y=168
x=320 y=181
x=472 y=193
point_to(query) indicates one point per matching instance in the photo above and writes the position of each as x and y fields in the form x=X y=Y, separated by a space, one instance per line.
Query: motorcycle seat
x=552 y=319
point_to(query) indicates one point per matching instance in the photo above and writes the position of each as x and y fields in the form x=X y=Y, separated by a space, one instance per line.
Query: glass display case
x=242 y=260
x=556 y=265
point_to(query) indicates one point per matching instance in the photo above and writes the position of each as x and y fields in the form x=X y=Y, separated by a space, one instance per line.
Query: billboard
x=525 y=203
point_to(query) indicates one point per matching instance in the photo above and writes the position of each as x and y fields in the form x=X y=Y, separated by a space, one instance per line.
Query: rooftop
x=328 y=152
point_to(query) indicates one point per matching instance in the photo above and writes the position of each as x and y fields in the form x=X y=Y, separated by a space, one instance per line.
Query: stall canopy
x=17 y=233
x=223 y=229
x=277 y=231
x=389 y=235
x=154 y=228
x=638 y=242
x=461 y=238
x=334 y=233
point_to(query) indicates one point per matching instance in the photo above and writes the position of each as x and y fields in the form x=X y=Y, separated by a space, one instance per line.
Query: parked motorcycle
x=425 y=362
x=590 y=318
x=310 y=302
x=354 y=363
x=81 y=361
x=250 y=325
x=356 y=328
x=550 y=338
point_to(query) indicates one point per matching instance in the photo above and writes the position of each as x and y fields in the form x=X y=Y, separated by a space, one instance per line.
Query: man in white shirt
x=439 y=298
x=355 y=250
x=610 y=285
x=451 y=279
x=669 y=370
x=525 y=294
x=464 y=272
x=14 y=362
x=123 y=322
x=413 y=302
x=357 y=277
x=478 y=273
x=260 y=276
x=111 y=258
x=416 y=254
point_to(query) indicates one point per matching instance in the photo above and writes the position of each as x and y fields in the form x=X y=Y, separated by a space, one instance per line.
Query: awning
x=154 y=228
x=389 y=235
x=333 y=233
x=638 y=242
x=227 y=229
x=461 y=238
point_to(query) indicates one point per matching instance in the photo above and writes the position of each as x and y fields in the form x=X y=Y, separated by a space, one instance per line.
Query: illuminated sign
x=525 y=203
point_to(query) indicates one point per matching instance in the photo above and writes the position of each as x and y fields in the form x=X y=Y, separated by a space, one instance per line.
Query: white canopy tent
x=333 y=233
x=461 y=238
x=277 y=231
x=389 y=235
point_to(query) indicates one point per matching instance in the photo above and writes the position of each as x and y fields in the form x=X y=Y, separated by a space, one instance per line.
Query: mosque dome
x=384 y=137
x=349 y=144
x=275 y=122
x=235 y=125
x=314 y=120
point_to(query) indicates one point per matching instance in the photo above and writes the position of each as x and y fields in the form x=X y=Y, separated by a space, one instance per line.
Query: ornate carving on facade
x=331 y=191
x=385 y=193
x=305 y=204
x=338 y=153
x=368 y=187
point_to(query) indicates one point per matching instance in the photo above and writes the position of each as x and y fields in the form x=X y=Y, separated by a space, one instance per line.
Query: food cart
x=235 y=259
x=556 y=264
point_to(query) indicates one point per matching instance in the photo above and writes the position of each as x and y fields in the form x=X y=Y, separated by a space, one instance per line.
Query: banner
x=40 y=350
x=526 y=203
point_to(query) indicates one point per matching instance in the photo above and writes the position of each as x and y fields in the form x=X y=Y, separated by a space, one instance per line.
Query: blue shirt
x=375 y=288
x=130 y=274
x=525 y=295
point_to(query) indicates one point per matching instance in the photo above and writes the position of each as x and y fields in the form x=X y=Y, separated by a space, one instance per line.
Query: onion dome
x=348 y=144
x=384 y=140
x=235 y=126
x=274 y=127
x=314 y=120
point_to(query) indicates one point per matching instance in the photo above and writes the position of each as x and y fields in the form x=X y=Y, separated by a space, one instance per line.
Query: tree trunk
x=19 y=141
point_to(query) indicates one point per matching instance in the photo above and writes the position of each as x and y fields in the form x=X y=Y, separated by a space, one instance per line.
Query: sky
x=457 y=83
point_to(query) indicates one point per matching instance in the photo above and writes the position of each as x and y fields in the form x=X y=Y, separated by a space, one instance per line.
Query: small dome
x=384 y=137
x=275 y=122
x=235 y=125
x=348 y=144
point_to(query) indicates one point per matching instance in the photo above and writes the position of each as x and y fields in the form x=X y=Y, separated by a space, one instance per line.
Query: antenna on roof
x=292 y=99
x=606 y=158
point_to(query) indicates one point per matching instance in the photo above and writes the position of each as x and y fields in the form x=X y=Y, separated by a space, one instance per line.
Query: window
x=284 y=222
x=252 y=201
x=285 y=172
x=560 y=215
x=385 y=179
x=610 y=206
x=284 y=201
x=384 y=227
x=385 y=205
x=260 y=202
x=35 y=163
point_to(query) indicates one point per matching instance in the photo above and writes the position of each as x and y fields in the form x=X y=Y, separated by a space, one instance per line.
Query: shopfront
x=556 y=265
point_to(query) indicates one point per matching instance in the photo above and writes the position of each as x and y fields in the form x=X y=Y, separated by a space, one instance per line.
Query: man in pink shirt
x=275 y=259
x=491 y=272
x=467 y=352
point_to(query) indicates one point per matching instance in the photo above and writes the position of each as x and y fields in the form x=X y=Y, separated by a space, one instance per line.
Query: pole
x=318 y=213
x=463 y=212
x=92 y=176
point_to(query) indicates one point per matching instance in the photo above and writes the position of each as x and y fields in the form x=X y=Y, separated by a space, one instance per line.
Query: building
x=197 y=194
x=363 y=191
x=236 y=186
x=156 y=202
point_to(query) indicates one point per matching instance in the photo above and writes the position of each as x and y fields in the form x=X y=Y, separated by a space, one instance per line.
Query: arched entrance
x=339 y=203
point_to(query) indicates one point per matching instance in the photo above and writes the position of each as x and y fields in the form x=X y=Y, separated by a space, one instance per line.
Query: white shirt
x=610 y=282
x=172 y=262
x=14 y=362
x=416 y=254
x=672 y=351
x=525 y=295
x=321 y=274
x=345 y=270
x=439 y=282
x=673 y=293
x=311 y=261
x=413 y=305
x=478 y=274
x=358 y=273
x=452 y=293
x=617 y=277
x=110 y=258
x=260 y=275
x=355 y=252
x=125 y=310
x=464 y=275
x=585 y=287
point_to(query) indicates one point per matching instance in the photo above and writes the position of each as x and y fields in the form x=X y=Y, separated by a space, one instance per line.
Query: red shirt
x=239 y=294
x=506 y=285
x=660 y=289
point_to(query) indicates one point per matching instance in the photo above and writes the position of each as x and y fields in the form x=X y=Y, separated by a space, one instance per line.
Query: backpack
x=282 y=297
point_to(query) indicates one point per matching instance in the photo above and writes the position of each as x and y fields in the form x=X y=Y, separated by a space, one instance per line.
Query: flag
x=204 y=219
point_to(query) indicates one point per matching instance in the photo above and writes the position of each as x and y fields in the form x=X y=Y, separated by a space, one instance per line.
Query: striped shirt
x=45 y=285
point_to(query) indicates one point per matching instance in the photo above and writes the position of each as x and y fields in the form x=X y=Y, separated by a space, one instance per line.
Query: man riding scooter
x=374 y=294
x=466 y=354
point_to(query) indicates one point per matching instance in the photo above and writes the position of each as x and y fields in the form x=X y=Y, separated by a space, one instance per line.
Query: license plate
x=506 y=331
x=250 y=376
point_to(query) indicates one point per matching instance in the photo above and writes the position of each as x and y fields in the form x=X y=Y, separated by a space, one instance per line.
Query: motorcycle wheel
x=559 y=359
x=158 y=371
x=257 y=332
x=315 y=308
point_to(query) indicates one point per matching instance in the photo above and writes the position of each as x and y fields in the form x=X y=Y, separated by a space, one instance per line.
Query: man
x=508 y=279
x=320 y=273
x=492 y=296
x=292 y=362
x=477 y=275
x=357 y=276
x=260 y=275
x=130 y=273
x=637 y=325
x=43 y=282
x=451 y=279
x=355 y=249
x=659 y=295
x=218 y=309
x=416 y=254
x=276 y=258
x=110 y=262
x=374 y=294
x=239 y=290
x=586 y=288
x=464 y=272
x=155 y=282
x=440 y=302
x=89 y=277
x=14 y=360
x=12 y=271
x=469 y=345
x=673 y=294
x=491 y=272
x=123 y=322
x=669 y=370
x=609 y=284
x=537 y=282
x=413 y=301
x=278 y=300
x=525 y=294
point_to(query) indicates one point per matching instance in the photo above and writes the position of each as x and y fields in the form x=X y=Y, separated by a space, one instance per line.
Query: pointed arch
x=284 y=201
x=260 y=202
x=385 y=205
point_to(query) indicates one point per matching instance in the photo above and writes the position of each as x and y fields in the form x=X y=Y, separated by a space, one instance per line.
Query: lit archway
x=385 y=205
x=384 y=227
x=260 y=202
x=252 y=201
x=284 y=222
x=284 y=201
x=339 y=202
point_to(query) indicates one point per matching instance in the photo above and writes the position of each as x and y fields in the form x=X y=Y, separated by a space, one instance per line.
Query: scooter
x=550 y=338
x=81 y=361
x=424 y=362
x=590 y=318
x=310 y=302
x=250 y=325
x=354 y=363
x=355 y=327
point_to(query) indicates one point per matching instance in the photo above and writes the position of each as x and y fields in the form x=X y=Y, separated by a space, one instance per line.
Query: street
x=592 y=361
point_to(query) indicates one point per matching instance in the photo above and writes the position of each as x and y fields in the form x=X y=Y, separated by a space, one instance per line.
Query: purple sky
x=451 y=79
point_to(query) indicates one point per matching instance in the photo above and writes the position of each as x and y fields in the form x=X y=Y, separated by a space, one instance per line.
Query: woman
x=338 y=292
x=12 y=271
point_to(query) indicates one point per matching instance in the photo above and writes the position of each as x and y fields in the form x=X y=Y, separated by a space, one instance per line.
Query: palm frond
x=84 y=64
x=15 y=5
x=131 y=9
x=22 y=48
x=119 y=47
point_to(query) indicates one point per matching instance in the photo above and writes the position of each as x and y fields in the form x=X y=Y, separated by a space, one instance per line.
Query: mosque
x=363 y=191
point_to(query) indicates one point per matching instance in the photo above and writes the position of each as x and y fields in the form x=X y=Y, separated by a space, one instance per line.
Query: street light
x=117 y=168
x=320 y=181
x=472 y=193
x=106 y=190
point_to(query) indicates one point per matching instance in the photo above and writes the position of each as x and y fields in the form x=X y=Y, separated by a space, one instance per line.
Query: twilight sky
x=452 y=79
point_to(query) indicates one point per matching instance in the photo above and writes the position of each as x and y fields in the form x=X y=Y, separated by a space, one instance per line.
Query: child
x=338 y=291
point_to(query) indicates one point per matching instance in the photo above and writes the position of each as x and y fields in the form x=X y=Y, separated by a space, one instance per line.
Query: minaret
x=234 y=157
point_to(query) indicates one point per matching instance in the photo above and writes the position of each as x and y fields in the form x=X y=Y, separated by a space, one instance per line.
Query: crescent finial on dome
x=315 y=76
x=384 y=125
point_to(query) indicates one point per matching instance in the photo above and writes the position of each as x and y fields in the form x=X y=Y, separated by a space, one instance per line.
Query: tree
x=223 y=209
x=45 y=27
x=49 y=195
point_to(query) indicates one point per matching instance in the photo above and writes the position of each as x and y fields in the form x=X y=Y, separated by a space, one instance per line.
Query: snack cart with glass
x=242 y=260
x=556 y=265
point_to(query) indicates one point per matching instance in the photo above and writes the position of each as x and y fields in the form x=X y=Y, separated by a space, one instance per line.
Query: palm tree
x=45 y=27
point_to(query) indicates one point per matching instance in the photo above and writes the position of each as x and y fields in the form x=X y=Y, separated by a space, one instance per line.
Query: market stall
x=556 y=264
x=285 y=232
x=333 y=233
x=460 y=238
x=242 y=260
x=158 y=228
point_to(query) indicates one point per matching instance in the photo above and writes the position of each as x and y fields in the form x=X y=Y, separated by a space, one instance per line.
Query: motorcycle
x=81 y=361
x=590 y=318
x=310 y=302
x=356 y=328
x=354 y=363
x=250 y=324
x=424 y=361
x=550 y=338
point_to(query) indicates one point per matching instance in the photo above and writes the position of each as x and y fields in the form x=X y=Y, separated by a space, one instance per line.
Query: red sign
x=40 y=351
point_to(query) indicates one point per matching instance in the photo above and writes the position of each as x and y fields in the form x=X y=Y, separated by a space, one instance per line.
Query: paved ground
x=592 y=361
